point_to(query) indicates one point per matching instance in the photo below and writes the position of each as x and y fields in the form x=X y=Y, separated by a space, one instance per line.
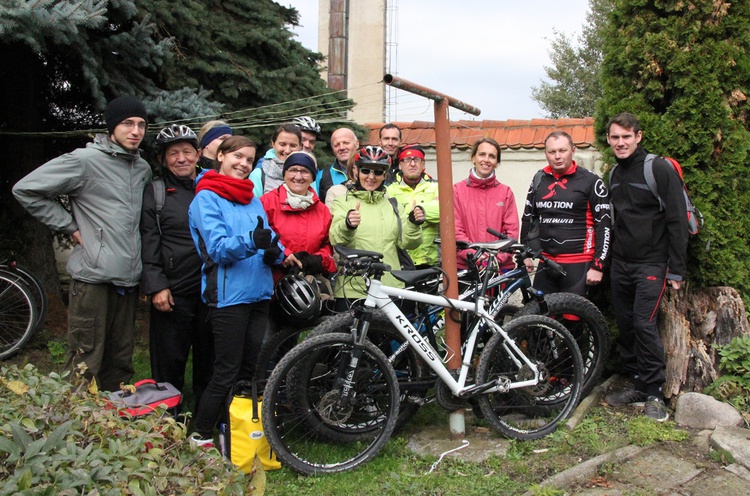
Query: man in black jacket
x=172 y=266
x=570 y=207
x=649 y=252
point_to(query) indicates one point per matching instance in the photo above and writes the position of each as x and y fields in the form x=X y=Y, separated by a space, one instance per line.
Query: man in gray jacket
x=105 y=182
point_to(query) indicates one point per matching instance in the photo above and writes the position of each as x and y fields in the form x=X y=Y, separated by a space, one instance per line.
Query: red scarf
x=229 y=188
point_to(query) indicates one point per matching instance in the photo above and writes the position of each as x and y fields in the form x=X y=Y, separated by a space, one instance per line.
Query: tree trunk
x=690 y=322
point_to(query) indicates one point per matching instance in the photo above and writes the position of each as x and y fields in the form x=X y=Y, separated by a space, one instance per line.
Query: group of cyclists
x=210 y=246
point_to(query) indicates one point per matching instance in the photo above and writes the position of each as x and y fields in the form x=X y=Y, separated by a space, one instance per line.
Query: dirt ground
x=36 y=351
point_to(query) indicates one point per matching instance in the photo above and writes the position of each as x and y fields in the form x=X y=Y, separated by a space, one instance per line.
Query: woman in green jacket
x=365 y=219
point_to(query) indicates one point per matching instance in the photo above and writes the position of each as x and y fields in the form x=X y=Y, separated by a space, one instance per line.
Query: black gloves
x=311 y=264
x=412 y=219
x=261 y=236
x=272 y=252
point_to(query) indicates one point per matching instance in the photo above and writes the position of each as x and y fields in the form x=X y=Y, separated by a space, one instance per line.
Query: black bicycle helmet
x=308 y=124
x=372 y=156
x=176 y=133
x=298 y=299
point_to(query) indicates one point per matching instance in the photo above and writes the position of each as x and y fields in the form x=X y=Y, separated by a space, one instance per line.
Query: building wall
x=365 y=57
x=516 y=169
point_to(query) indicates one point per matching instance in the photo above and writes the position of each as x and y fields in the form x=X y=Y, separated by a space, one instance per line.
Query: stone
x=735 y=440
x=700 y=411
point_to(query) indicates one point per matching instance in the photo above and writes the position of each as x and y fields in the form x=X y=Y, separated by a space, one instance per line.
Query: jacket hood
x=103 y=143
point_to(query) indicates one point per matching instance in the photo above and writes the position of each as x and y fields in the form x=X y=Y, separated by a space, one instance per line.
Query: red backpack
x=695 y=217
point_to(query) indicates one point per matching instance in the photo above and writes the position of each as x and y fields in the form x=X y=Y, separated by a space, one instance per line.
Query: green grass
x=397 y=471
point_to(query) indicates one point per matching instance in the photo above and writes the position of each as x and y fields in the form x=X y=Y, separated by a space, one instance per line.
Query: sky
x=487 y=53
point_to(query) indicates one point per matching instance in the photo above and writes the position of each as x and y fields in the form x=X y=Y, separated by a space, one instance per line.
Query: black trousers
x=171 y=337
x=637 y=290
x=573 y=282
x=238 y=332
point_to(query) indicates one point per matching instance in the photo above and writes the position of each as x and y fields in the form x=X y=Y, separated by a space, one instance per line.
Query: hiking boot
x=626 y=396
x=656 y=409
x=198 y=442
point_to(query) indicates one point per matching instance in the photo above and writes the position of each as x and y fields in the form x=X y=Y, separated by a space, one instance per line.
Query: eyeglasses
x=367 y=172
x=301 y=171
x=415 y=160
x=131 y=124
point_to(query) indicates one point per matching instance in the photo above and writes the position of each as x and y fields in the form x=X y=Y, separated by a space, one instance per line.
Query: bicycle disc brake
x=542 y=388
x=330 y=411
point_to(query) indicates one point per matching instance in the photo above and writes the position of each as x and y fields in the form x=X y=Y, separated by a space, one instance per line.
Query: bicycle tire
x=17 y=315
x=409 y=366
x=591 y=331
x=535 y=411
x=275 y=347
x=292 y=427
x=36 y=286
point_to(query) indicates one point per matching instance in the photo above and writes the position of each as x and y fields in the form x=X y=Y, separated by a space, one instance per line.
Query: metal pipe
x=405 y=85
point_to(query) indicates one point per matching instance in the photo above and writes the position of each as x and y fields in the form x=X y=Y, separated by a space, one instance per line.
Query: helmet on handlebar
x=298 y=299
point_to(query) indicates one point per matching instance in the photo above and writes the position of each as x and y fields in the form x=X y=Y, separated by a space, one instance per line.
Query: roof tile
x=512 y=133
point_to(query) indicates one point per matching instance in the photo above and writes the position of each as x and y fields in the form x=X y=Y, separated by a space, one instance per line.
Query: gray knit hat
x=122 y=108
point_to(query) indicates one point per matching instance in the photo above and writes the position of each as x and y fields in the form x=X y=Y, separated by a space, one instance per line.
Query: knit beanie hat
x=122 y=108
x=303 y=159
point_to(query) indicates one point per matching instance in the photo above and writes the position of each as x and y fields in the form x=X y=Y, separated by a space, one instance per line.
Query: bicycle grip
x=496 y=233
x=555 y=267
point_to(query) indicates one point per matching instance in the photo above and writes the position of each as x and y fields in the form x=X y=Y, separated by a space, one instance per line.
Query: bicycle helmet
x=308 y=124
x=176 y=133
x=298 y=299
x=372 y=155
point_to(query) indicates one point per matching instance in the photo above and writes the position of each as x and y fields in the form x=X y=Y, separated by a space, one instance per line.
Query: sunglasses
x=377 y=172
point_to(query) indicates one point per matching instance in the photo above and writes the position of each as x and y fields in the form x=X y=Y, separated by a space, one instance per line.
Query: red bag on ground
x=148 y=396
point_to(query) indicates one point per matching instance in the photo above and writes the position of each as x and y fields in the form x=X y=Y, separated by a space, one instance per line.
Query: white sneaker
x=198 y=442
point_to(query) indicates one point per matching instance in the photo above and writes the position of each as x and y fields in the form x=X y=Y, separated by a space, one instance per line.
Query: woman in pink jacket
x=481 y=201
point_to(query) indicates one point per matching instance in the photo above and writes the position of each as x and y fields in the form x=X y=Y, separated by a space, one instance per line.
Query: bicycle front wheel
x=302 y=405
x=587 y=325
x=531 y=412
x=18 y=315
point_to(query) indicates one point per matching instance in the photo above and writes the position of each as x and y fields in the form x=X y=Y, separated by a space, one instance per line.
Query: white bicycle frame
x=378 y=296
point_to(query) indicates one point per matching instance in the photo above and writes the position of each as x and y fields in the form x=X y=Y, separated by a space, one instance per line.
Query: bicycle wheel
x=17 y=315
x=293 y=418
x=411 y=371
x=587 y=325
x=38 y=292
x=275 y=347
x=531 y=412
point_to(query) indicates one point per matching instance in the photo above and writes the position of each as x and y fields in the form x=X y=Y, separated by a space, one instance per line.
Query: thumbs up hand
x=273 y=252
x=261 y=236
x=353 y=218
x=416 y=216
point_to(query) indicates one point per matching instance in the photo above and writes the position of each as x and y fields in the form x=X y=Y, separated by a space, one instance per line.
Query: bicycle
x=18 y=314
x=578 y=314
x=11 y=268
x=332 y=402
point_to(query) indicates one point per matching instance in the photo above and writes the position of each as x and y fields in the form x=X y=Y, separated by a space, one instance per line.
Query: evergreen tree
x=243 y=52
x=574 y=88
x=683 y=68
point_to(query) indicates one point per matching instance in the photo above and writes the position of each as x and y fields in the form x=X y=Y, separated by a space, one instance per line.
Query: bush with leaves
x=733 y=386
x=56 y=439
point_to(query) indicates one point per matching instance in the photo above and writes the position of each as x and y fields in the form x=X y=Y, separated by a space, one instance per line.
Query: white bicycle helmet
x=298 y=300
x=176 y=133
x=308 y=124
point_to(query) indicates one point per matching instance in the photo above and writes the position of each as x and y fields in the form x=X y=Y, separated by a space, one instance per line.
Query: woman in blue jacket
x=228 y=226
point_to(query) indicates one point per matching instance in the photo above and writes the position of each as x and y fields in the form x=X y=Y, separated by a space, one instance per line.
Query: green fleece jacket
x=378 y=231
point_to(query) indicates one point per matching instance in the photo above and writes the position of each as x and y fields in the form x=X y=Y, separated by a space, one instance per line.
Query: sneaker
x=626 y=396
x=197 y=441
x=656 y=409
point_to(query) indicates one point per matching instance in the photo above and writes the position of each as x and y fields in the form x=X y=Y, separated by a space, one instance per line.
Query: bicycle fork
x=346 y=381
